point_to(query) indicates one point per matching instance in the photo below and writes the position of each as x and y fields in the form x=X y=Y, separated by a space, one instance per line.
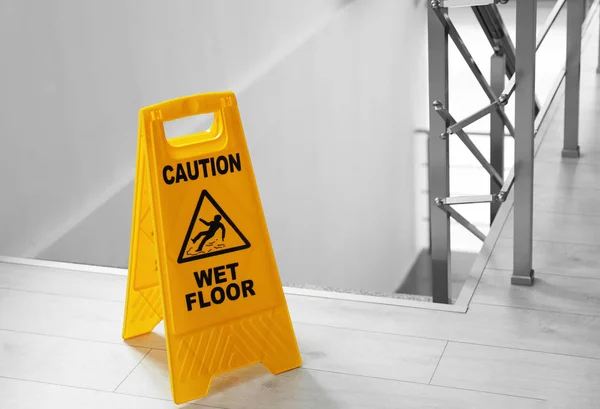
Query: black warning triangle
x=211 y=232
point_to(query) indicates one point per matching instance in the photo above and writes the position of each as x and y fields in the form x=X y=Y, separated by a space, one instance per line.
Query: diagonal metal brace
x=492 y=24
x=506 y=188
x=549 y=22
x=460 y=219
x=466 y=3
x=447 y=117
x=510 y=87
x=464 y=51
x=459 y=126
x=458 y=200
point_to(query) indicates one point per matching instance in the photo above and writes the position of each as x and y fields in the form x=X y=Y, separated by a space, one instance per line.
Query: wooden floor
x=516 y=347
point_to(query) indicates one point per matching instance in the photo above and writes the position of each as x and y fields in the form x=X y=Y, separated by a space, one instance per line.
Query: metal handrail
x=493 y=27
x=550 y=22
x=521 y=86
x=462 y=48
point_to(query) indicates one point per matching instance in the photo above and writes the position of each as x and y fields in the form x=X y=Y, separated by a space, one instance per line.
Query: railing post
x=575 y=17
x=439 y=180
x=524 y=133
x=497 y=73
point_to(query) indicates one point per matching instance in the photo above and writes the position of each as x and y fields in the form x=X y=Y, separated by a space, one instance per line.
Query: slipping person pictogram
x=202 y=237
x=213 y=227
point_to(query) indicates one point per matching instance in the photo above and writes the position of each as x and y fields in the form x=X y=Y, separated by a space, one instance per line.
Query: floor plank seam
x=370 y=331
x=192 y=403
x=438 y=363
x=124 y=344
x=565 y=187
x=569 y=243
x=55 y=384
x=545 y=273
x=566 y=213
x=539 y=309
x=537 y=351
x=133 y=369
x=305 y=369
x=595 y=215
x=467 y=342
x=416 y=383
x=64 y=295
x=417 y=305
x=561 y=242
x=64 y=266
x=334 y=327
x=104 y=391
x=444 y=339
x=492 y=393
x=570 y=161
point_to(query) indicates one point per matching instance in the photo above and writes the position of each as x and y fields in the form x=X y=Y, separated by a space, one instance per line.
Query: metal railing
x=518 y=66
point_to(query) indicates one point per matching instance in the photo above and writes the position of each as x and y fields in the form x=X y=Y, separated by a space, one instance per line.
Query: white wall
x=324 y=98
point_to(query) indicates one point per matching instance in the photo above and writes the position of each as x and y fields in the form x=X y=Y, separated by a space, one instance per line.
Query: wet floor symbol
x=209 y=247
x=211 y=232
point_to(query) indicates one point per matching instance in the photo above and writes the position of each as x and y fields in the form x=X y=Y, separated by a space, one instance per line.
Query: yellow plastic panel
x=224 y=306
x=143 y=306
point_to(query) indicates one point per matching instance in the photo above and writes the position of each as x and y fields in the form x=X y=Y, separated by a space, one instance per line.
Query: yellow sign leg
x=266 y=338
x=143 y=306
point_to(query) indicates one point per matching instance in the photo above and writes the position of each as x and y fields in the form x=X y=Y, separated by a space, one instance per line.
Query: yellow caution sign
x=201 y=256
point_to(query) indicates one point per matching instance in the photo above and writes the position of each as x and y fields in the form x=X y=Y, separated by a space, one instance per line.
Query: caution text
x=212 y=277
x=202 y=168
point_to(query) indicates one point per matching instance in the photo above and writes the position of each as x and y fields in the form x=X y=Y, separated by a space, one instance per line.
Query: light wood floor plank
x=63 y=316
x=521 y=373
x=368 y=354
x=66 y=361
x=562 y=228
x=537 y=330
x=577 y=260
x=569 y=173
x=553 y=199
x=549 y=293
x=34 y=395
x=551 y=148
x=482 y=324
x=331 y=349
x=566 y=174
x=62 y=282
x=567 y=200
x=301 y=388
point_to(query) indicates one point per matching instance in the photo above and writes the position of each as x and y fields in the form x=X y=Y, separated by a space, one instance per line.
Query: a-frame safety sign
x=201 y=256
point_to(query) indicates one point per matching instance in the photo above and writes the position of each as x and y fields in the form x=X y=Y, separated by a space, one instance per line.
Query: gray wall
x=324 y=89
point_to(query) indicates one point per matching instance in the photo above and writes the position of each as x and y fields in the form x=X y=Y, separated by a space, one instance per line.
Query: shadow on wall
x=328 y=123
